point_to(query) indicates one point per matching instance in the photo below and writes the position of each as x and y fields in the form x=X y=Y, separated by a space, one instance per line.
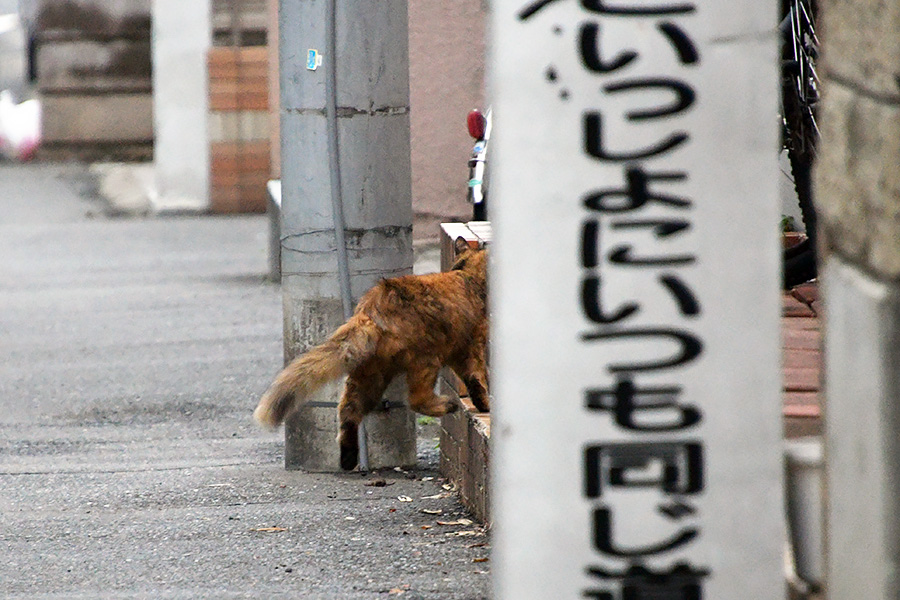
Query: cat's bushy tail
x=353 y=342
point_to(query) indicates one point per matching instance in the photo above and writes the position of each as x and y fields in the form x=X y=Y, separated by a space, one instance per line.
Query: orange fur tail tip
x=309 y=372
x=264 y=417
x=273 y=406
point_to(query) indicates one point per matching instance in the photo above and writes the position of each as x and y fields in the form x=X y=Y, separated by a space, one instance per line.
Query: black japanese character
x=594 y=143
x=598 y=6
x=622 y=255
x=690 y=347
x=662 y=228
x=604 y=7
x=604 y=542
x=591 y=300
x=684 y=46
x=681 y=582
x=590 y=243
x=624 y=465
x=687 y=302
x=591 y=304
x=636 y=192
x=532 y=8
x=590 y=234
x=628 y=402
x=684 y=96
x=589 y=44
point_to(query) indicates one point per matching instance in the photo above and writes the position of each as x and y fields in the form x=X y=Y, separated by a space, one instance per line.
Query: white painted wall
x=181 y=38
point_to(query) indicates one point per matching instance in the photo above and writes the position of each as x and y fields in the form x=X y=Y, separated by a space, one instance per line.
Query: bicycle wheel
x=799 y=94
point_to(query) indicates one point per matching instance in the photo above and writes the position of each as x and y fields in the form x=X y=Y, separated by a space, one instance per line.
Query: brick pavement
x=802 y=360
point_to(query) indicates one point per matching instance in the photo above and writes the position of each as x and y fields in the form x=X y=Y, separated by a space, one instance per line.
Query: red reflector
x=476 y=124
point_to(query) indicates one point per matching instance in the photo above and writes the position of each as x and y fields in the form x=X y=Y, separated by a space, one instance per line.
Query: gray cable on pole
x=335 y=162
x=337 y=193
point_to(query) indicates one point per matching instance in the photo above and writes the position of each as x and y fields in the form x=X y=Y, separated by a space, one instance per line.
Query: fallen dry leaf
x=484 y=559
x=269 y=529
x=457 y=522
x=428 y=511
x=435 y=497
x=404 y=498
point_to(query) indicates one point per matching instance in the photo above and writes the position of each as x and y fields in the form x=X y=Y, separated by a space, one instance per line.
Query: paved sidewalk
x=134 y=351
x=802 y=361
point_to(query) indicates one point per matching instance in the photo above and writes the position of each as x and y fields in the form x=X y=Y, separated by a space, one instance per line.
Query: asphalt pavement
x=133 y=353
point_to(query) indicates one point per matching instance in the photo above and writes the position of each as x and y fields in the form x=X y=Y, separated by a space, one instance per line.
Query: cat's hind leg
x=472 y=369
x=421 y=377
x=478 y=392
x=362 y=393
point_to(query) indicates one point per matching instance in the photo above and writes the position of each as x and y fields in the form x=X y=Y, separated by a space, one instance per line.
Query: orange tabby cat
x=414 y=324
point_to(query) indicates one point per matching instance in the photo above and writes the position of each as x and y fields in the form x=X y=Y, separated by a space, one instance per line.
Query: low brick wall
x=465 y=453
x=465 y=434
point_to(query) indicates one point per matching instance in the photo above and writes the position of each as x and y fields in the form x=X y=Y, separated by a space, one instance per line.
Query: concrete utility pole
x=858 y=196
x=345 y=184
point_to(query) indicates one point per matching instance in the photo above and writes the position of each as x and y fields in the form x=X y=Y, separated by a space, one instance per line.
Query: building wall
x=446 y=64
x=92 y=63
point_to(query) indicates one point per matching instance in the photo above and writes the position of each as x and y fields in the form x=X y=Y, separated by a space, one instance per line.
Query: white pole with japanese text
x=635 y=299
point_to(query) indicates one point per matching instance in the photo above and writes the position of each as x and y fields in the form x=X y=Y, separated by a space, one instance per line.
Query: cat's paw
x=349 y=457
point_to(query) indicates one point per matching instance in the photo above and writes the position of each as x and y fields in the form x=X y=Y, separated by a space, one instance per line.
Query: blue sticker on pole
x=313 y=59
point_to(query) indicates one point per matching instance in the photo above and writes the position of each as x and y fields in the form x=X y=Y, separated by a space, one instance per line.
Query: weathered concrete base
x=311 y=433
x=391 y=433
x=312 y=311
x=862 y=434
x=309 y=440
